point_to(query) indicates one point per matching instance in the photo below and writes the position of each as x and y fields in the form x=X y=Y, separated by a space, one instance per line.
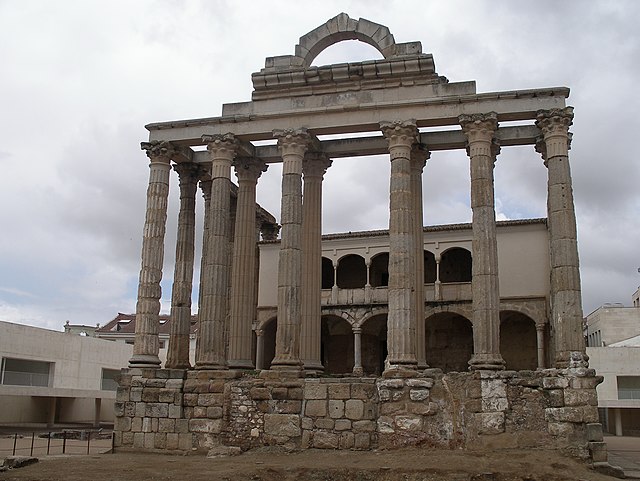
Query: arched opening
x=455 y=265
x=518 y=341
x=351 y=272
x=374 y=344
x=429 y=267
x=347 y=51
x=449 y=341
x=327 y=273
x=379 y=270
x=337 y=345
x=269 y=335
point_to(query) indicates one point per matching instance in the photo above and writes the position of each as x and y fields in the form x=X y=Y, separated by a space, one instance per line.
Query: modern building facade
x=54 y=377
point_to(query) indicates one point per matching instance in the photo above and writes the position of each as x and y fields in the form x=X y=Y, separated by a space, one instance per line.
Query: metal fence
x=55 y=443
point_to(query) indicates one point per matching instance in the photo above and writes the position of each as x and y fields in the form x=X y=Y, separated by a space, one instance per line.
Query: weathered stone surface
x=14 y=462
x=490 y=423
x=594 y=431
x=336 y=408
x=213 y=426
x=420 y=383
x=282 y=425
x=324 y=423
x=354 y=409
x=342 y=424
x=324 y=440
x=408 y=423
x=347 y=440
x=580 y=397
x=564 y=414
x=419 y=394
x=598 y=451
x=157 y=410
x=316 y=408
x=339 y=391
x=315 y=391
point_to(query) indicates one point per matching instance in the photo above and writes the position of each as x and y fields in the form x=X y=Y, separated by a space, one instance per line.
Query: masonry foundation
x=196 y=411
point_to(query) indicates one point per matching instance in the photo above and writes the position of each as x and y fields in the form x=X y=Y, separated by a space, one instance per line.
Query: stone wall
x=174 y=410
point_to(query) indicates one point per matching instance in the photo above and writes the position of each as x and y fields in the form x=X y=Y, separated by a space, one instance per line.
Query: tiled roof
x=127 y=324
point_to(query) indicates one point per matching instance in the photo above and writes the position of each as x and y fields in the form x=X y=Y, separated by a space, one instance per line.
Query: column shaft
x=566 y=300
x=205 y=187
x=540 y=341
x=401 y=343
x=211 y=349
x=292 y=145
x=178 y=352
x=480 y=129
x=314 y=167
x=259 y=349
x=146 y=346
x=357 y=352
x=419 y=158
x=243 y=273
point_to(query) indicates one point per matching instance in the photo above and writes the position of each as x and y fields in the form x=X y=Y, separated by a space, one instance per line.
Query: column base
x=358 y=371
x=281 y=373
x=240 y=364
x=205 y=366
x=400 y=371
x=144 y=361
x=492 y=362
x=313 y=367
x=423 y=365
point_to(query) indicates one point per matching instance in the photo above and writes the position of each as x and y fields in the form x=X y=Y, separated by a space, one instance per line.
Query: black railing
x=56 y=442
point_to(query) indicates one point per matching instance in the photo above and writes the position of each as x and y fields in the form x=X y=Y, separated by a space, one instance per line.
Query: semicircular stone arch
x=340 y=28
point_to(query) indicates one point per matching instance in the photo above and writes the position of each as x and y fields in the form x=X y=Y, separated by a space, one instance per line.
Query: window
x=25 y=372
x=109 y=379
x=628 y=387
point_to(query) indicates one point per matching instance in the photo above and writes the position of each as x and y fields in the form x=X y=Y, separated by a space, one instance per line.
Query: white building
x=55 y=377
x=613 y=340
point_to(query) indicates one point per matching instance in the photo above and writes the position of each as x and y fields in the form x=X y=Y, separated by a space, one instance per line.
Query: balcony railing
x=454 y=291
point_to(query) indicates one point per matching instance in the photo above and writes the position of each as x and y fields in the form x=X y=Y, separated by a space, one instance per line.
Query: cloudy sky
x=80 y=79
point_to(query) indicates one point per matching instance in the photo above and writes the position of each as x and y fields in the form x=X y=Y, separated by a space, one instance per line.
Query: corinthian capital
x=479 y=127
x=159 y=151
x=221 y=145
x=555 y=121
x=400 y=133
x=249 y=168
x=315 y=164
x=189 y=171
x=293 y=141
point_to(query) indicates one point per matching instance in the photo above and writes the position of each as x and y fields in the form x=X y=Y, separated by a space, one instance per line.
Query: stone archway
x=269 y=339
x=374 y=344
x=351 y=272
x=340 y=28
x=337 y=345
x=455 y=265
x=449 y=341
x=518 y=341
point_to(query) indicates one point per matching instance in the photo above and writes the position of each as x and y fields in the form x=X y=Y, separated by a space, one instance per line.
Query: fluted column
x=146 y=346
x=314 y=166
x=178 y=352
x=419 y=157
x=259 y=349
x=357 y=352
x=292 y=145
x=401 y=345
x=210 y=348
x=243 y=271
x=482 y=149
x=566 y=303
x=205 y=187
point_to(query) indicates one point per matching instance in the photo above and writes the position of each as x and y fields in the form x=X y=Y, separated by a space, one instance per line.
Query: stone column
x=314 y=166
x=259 y=349
x=243 y=273
x=292 y=145
x=437 y=285
x=357 y=352
x=205 y=187
x=566 y=303
x=419 y=157
x=178 y=352
x=334 y=287
x=401 y=345
x=146 y=346
x=540 y=342
x=479 y=130
x=210 y=348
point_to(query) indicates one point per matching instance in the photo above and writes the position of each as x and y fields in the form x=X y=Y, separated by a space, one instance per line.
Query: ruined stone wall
x=174 y=410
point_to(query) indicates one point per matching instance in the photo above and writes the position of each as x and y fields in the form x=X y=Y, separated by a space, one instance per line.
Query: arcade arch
x=449 y=341
x=518 y=342
x=455 y=265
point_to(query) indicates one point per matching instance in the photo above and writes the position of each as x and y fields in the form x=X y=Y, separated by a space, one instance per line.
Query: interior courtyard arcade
x=398 y=106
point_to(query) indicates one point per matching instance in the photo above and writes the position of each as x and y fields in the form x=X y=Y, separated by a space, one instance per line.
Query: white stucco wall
x=611 y=362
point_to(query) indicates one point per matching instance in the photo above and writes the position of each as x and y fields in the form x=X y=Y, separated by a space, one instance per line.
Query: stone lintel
x=362 y=116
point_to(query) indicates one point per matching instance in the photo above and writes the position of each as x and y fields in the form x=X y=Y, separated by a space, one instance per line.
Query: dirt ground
x=413 y=464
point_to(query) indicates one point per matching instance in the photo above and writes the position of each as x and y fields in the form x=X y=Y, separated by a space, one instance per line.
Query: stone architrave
x=401 y=344
x=243 y=271
x=419 y=157
x=566 y=304
x=314 y=167
x=293 y=145
x=146 y=345
x=482 y=150
x=214 y=310
x=178 y=352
